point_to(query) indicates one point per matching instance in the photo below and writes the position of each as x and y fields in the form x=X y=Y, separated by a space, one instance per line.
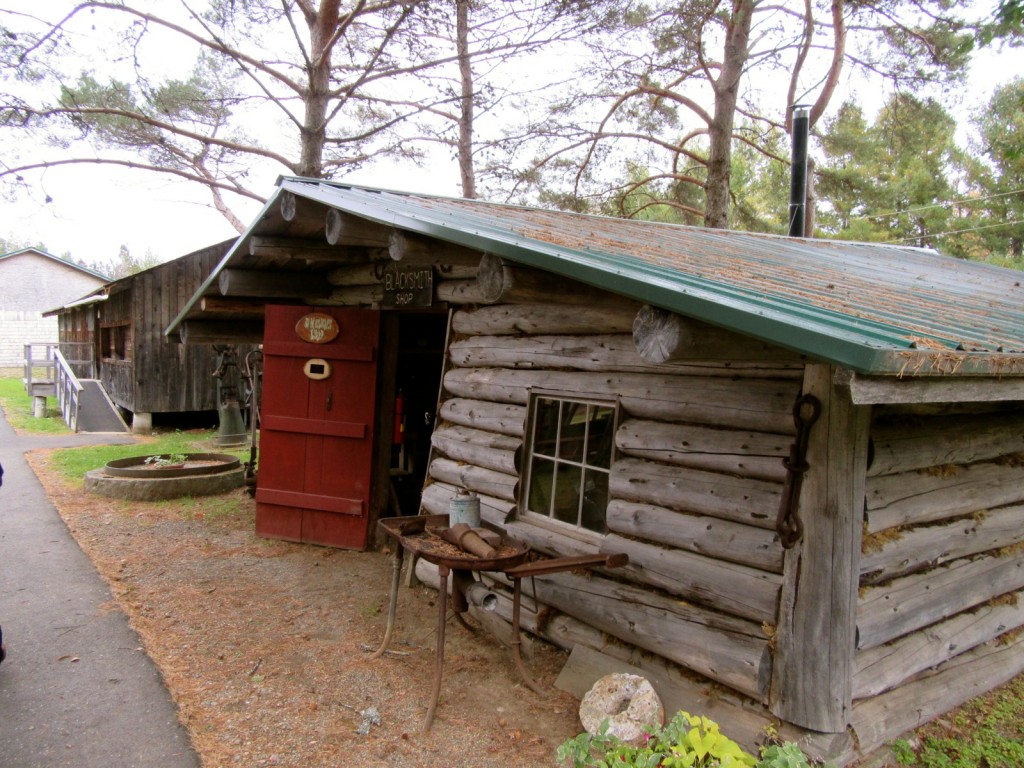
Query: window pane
x=567 y=493
x=574 y=431
x=542 y=475
x=545 y=434
x=601 y=437
x=595 y=501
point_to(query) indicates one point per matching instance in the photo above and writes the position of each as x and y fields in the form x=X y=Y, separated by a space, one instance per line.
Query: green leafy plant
x=167 y=459
x=686 y=741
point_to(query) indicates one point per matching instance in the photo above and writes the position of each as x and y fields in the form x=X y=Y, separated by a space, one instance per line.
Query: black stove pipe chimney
x=798 y=171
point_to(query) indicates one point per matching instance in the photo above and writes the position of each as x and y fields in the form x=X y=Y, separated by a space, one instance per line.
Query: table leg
x=442 y=617
x=396 y=577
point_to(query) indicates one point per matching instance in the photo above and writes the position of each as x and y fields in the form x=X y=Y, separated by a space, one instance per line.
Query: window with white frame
x=570 y=445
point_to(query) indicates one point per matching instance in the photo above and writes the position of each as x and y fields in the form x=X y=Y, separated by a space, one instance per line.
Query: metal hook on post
x=806 y=411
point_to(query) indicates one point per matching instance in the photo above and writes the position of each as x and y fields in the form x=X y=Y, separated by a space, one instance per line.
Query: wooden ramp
x=96 y=413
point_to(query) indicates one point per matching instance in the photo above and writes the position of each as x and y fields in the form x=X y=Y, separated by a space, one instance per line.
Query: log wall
x=694 y=487
x=942 y=567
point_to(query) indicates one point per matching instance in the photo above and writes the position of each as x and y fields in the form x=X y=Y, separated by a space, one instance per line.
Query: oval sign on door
x=317 y=328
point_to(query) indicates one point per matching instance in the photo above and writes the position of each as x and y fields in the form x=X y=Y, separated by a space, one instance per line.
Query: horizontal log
x=237 y=308
x=487 y=481
x=887 y=557
x=345 y=229
x=600 y=352
x=484 y=449
x=294 y=248
x=912 y=602
x=461 y=292
x=270 y=284
x=436 y=500
x=727 y=587
x=549 y=541
x=489 y=417
x=901 y=445
x=887 y=666
x=911 y=498
x=305 y=217
x=221 y=332
x=661 y=336
x=881 y=719
x=364 y=273
x=709 y=536
x=417 y=251
x=515 y=319
x=742 y=500
x=764 y=405
x=724 y=648
x=356 y=295
x=737 y=452
x=512 y=284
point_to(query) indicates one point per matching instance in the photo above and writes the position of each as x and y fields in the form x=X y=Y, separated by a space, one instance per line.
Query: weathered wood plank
x=545 y=319
x=912 y=602
x=879 y=720
x=914 y=549
x=764 y=405
x=886 y=666
x=479 y=479
x=490 y=417
x=867 y=390
x=911 y=498
x=812 y=684
x=730 y=650
x=911 y=443
x=661 y=336
x=742 y=500
x=474 y=446
x=728 y=587
x=737 y=452
x=709 y=536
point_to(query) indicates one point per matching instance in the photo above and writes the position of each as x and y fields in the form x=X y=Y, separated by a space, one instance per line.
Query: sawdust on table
x=265 y=644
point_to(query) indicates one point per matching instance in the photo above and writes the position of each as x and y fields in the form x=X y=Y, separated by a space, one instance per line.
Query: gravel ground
x=265 y=645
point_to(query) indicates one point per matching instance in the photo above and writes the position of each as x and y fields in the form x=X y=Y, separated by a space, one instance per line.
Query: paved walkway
x=76 y=689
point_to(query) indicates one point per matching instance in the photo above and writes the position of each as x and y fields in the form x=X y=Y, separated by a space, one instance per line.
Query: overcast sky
x=93 y=210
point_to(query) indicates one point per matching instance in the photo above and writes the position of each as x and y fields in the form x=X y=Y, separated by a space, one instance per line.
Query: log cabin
x=117 y=331
x=812 y=451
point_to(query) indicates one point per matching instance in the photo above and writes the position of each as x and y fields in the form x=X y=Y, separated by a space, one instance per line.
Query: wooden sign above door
x=317 y=328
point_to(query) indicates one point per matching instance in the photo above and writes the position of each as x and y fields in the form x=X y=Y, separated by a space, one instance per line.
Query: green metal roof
x=870 y=308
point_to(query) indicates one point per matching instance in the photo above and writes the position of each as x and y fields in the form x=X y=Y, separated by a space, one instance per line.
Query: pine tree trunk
x=716 y=211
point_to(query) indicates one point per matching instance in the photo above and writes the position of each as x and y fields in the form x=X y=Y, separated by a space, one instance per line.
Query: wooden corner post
x=816 y=631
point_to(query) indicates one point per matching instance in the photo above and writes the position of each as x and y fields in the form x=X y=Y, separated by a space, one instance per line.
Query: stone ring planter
x=139 y=478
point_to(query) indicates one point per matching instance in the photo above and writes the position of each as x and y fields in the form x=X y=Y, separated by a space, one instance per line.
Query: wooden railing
x=80 y=358
x=69 y=390
x=38 y=370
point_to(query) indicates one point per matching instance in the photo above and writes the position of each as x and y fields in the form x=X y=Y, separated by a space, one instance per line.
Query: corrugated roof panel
x=859 y=305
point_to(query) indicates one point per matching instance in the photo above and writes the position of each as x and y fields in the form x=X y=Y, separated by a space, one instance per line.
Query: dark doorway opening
x=418 y=370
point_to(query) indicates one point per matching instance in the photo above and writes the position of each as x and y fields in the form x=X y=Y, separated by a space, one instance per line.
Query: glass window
x=571 y=444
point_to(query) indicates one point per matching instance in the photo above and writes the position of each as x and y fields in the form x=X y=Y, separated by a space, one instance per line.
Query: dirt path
x=264 y=645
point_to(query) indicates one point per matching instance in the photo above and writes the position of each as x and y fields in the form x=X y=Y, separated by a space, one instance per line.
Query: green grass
x=18 y=409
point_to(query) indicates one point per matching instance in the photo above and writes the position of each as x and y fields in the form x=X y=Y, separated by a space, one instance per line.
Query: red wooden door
x=316 y=434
